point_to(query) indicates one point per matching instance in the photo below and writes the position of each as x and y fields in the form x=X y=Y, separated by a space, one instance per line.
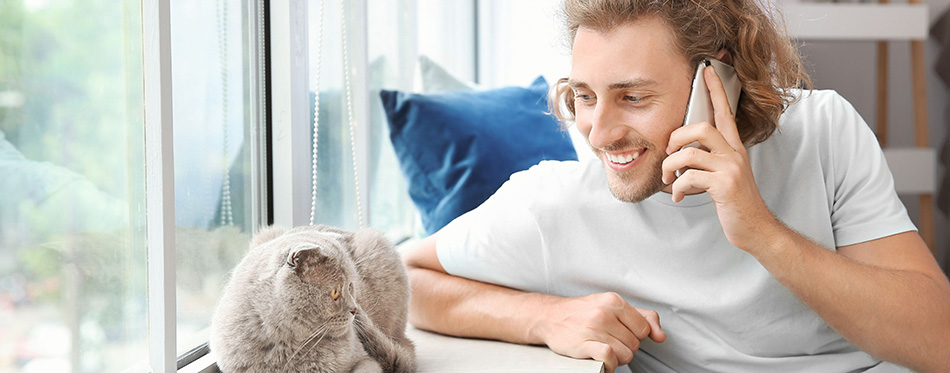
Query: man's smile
x=622 y=161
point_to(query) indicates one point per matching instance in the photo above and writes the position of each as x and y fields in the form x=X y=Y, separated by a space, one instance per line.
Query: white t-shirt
x=557 y=229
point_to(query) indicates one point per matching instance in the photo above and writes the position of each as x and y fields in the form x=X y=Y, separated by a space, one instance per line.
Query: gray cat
x=315 y=299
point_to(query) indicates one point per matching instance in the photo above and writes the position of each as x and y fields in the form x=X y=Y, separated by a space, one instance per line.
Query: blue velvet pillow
x=456 y=148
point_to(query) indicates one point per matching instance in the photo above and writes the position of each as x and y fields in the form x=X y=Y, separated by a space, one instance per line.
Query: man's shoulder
x=815 y=114
x=812 y=104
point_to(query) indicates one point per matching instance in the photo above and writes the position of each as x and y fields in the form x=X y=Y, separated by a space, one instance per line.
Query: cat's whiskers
x=359 y=325
x=321 y=331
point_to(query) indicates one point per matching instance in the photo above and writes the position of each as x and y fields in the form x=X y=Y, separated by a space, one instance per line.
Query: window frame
x=160 y=184
x=279 y=138
x=160 y=180
x=290 y=107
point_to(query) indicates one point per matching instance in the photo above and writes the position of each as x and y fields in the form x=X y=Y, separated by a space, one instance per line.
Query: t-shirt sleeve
x=866 y=206
x=498 y=242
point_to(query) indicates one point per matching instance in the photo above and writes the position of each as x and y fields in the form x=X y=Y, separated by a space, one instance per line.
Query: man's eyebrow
x=635 y=83
x=576 y=84
x=626 y=84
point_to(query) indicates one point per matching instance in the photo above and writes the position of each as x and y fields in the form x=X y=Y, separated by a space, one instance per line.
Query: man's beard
x=640 y=184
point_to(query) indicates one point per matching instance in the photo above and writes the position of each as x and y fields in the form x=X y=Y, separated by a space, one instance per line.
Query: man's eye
x=633 y=98
x=584 y=98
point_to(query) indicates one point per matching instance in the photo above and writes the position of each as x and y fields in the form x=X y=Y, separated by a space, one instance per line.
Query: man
x=783 y=246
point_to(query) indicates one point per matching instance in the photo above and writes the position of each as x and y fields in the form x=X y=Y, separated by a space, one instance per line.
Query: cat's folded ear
x=267 y=234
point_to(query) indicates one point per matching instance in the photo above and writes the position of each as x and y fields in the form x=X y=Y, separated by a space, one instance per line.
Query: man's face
x=630 y=87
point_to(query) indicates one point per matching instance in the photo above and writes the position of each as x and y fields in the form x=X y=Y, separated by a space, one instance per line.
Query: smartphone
x=700 y=107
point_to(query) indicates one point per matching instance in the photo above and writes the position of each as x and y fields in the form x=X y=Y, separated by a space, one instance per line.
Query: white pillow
x=434 y=78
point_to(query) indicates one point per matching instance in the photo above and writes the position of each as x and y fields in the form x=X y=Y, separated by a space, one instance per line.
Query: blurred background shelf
x=913 y=168
x=864 y=21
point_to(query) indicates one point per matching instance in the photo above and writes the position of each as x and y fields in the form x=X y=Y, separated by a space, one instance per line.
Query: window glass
x=72 y=233
x=211 y=76
x=336 y=191
x=390 y=209
x=391 y=66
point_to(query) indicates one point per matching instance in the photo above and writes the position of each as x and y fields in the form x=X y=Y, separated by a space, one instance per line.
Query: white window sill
x=439 y=353
x=204 y=364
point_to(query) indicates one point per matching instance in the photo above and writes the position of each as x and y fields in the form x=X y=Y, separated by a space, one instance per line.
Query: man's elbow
x=427 y=280
x=422 y=312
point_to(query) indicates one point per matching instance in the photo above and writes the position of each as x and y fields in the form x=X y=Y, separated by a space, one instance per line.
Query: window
x=358 y=179
x=72 y=238
x=213 y=73
x=75 y=129
x=390 y=65
x=373 y=38
x=337 y=196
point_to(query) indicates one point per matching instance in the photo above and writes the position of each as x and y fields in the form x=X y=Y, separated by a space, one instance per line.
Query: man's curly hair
x=765 y=59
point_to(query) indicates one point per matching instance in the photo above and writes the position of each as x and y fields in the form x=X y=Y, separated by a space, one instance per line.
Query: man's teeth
x=623 y=159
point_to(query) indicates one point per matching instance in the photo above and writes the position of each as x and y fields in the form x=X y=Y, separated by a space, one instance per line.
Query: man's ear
x=725 y=56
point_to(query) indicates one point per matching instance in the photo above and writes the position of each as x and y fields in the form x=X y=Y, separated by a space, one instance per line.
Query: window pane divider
x=256 y=87
x=160 y=184
x=290 y=103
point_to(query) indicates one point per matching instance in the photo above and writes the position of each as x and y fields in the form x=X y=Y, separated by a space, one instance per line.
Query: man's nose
x=606 y=126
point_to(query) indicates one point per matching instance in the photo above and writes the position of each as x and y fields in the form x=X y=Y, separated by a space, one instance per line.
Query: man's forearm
x=896 y=315
x=600 y=326
x=466 y=308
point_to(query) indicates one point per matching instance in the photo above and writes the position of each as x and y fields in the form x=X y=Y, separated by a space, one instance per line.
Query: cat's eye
x=335 y=293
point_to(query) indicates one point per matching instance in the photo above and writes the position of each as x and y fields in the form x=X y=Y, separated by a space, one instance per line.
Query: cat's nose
x=353 y=311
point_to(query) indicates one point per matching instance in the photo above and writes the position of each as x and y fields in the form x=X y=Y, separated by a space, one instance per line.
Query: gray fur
x=278 y=314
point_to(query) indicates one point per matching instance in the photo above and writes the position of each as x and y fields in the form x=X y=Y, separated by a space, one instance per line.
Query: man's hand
x=849 y=287
x=601 y=326
x=724 y=171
